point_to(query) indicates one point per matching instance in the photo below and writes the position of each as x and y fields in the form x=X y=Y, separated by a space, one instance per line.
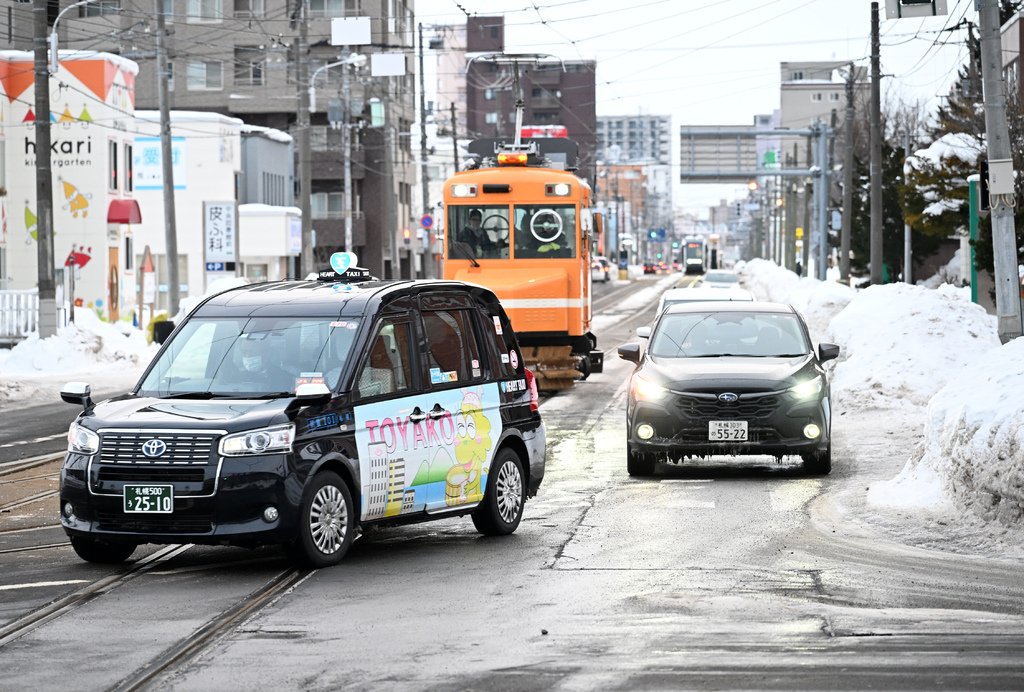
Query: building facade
x=238 y=58
x=635 y=138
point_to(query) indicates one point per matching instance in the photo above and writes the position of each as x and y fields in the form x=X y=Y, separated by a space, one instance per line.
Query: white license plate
x=149 y=499
x=727 y=431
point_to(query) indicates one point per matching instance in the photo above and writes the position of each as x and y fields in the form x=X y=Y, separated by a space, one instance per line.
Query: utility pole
x=455 y=139
x=907 y=249
x=844 y=237
x=346 y=143
x=44 y=176
x=428 y=256
x=1004 y=239
x=167 y=165
x=807 y=213
x=876 y=152
x=302 y=125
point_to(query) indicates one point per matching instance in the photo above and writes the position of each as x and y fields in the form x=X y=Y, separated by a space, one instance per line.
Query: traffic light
x=407 y=236
x=983 y=200
x=675 y=244
x=659 y=255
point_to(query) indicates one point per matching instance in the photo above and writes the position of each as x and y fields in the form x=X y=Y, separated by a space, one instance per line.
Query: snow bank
x=974 y=442
x=818 y=301
x=901 y=343
x=949 y=273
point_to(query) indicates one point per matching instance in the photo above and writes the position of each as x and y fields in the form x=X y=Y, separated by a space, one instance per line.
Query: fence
x=19 y=313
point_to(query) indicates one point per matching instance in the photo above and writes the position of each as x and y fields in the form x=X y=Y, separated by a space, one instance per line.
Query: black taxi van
x=298 y=412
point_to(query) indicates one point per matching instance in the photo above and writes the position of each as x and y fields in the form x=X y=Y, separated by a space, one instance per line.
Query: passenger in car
x=377 y=377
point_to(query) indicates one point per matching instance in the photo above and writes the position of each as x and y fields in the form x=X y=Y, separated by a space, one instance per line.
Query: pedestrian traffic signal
x=407 y=236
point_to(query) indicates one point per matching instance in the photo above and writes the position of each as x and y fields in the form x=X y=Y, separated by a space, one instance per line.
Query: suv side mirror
x=827 y=352
x=77 y=393
x=630 y=352
x=643 y=332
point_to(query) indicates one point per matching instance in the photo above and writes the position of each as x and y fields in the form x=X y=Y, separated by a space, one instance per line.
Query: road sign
x=427 y=221
x=214 y=266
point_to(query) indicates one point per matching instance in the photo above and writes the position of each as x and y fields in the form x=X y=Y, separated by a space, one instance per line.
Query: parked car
x=298 y=412
x=720 y=278
x=699 y=294
x=733 y=378
x=601 y=269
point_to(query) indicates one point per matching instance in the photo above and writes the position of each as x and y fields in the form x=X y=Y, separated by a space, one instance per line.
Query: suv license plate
x=727 y=431
x=149 y=499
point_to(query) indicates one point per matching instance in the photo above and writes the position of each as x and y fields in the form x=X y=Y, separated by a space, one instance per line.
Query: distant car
x=699 y=294
x=650 y=268
x=720 y=278
x=601 y=269
x=300 y=420
x=731 y=378
x=677 y=266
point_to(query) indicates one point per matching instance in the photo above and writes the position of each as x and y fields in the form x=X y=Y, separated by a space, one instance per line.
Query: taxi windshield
x=242 y=357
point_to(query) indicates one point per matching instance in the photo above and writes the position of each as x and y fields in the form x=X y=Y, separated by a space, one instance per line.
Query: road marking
x=33 y=441
x=693 y=504
x=40 y=584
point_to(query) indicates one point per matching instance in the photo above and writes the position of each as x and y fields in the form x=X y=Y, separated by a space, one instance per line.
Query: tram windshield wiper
x=467 y=253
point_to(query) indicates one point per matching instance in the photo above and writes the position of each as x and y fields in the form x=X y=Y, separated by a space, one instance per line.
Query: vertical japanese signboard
x=220 y=239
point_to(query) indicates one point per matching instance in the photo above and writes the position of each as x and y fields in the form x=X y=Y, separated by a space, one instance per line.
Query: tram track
x=8 y=468
x=66 y=604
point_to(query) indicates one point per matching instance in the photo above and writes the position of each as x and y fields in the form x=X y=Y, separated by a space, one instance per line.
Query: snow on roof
x=255 y=209
x=268 y=132
x=123 y=63
x=189 y=116
x=959 y=145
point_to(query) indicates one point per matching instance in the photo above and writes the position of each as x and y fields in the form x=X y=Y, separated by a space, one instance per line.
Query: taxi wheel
x=101 y=552
x=502 y=508
x=819 y=462
x=638 y=464
x=326 y=522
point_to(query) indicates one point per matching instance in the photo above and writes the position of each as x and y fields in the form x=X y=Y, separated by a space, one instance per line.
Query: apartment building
x=635 y=138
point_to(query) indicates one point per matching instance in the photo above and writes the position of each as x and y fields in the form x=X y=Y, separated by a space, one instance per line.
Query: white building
x=206 y=160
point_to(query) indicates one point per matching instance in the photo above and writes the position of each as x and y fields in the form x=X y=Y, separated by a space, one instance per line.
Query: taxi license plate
x=727 y=431
x=149 y=499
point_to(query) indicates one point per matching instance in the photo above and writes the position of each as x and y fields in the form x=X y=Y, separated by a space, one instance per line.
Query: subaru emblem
x=728 y=398
x=154 y=448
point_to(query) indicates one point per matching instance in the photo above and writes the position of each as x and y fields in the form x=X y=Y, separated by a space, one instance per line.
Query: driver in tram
x=475 y=236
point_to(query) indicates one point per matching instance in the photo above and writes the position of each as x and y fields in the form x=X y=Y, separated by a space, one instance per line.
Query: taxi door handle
x=417 y=415
x=437 y=412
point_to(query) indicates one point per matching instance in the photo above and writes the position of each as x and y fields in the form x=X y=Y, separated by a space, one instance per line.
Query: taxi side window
x=386 y=370
x=453 y=350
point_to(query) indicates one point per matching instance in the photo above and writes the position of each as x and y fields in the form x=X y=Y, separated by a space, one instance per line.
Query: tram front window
x=545 y=231
x=478 y=232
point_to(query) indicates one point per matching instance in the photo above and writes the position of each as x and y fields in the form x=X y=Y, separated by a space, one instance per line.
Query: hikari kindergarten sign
x=220 y=232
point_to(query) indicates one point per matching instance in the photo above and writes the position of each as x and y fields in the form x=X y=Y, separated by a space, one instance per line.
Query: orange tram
x=520 y=223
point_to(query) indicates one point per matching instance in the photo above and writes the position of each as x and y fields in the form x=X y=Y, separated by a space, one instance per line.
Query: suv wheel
x=326 y=522
x=502 y=508
x=819 y=462
x=94 y=550
x=638 y=464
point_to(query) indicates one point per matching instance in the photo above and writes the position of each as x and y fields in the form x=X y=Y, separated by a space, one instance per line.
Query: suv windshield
x=251 y=357
x=709 y=334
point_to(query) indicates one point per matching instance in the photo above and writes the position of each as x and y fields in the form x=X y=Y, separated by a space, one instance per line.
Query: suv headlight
x=645 y=390
x=278 y=438
x=808 y=389
x=82 y=440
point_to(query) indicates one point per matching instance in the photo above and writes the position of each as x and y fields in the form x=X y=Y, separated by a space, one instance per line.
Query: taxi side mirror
x=312 y=393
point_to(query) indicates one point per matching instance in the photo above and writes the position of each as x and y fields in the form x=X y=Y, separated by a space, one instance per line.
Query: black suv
x=298 y=412
x=730 y=378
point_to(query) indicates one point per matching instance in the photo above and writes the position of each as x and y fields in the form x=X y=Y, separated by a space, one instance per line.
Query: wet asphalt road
x=721 y=576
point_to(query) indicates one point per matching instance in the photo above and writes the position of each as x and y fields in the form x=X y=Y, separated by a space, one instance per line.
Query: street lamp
x=54 y=59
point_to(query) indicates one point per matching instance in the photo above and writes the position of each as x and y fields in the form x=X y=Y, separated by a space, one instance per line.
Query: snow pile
x=901 y=343
x=949 y=273
x=974 y=442
x=817 y=301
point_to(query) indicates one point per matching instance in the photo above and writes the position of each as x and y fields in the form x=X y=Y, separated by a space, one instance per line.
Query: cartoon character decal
x=411 y=464
x=472 y=444
x=77 y=202
x=31 y=225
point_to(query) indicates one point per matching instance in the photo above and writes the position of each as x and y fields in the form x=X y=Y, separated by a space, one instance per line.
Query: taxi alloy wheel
x=502 y=508
x=326 y=524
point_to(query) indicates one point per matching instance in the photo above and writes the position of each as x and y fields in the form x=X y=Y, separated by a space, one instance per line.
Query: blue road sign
x=214 y=266
x=426 y=220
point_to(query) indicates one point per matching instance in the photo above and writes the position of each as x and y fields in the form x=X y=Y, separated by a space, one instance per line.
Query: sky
x=716 y=62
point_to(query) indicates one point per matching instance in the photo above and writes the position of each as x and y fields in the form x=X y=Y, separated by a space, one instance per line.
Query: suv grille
x=182 y=448
x=749 y=407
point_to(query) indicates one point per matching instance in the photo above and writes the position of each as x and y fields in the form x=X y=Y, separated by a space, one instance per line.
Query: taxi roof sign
x=343 y=269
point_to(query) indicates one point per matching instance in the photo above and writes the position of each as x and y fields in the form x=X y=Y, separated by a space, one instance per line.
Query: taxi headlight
x=278 y=438
x=82 y=440
x=808 y=389
x=646 y=390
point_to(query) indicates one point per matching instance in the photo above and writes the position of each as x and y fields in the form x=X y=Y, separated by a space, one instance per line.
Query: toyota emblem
x=154 y=448
x=728 y=398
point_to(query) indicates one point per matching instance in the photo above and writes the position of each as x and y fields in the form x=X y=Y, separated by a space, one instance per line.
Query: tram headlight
x=463 y=190
x=558 y=189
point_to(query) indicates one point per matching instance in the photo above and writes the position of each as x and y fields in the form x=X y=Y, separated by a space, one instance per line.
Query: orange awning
x=124 y=211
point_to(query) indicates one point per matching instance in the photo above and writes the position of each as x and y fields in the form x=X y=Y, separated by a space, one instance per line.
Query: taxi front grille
x=182 y=449
x=151 y=474
x=154 y=523
x=749 y=407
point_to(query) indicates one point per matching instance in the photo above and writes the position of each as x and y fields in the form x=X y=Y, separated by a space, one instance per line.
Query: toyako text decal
x=429 y=460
